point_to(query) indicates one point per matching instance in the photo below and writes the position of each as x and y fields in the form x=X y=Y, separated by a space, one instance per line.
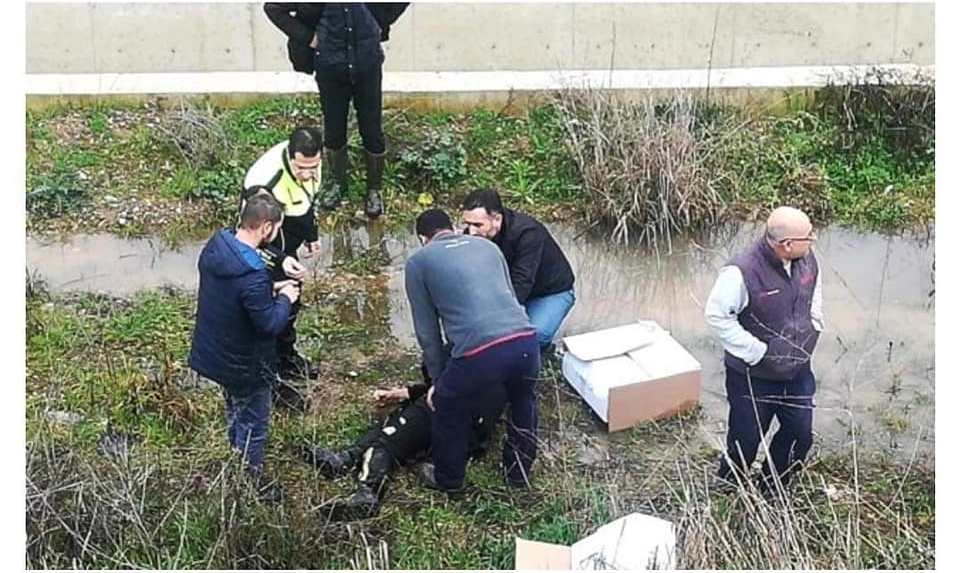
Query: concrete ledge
x=469 y=82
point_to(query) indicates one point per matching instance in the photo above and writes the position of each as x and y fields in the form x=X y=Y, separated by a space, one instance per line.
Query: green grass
x=801 y=160
x=871 y=176
x=177 y=499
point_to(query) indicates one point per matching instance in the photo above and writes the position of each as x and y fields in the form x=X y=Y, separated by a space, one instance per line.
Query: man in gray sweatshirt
x=463 y=283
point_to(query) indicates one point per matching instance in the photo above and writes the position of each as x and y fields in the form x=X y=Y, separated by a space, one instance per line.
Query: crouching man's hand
x=293 y=269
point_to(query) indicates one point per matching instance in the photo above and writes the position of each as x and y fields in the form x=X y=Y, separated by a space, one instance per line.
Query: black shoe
x=288 y=396
x=363 y=504
x=373 y=206
x=330 y=464
x=429 y=480
x=769 y=489
x=268 y=491
x=518 y=484
x=296 y=366
x=334 y=178
x=723 y=486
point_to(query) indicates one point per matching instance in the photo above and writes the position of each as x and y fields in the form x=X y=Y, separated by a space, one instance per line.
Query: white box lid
x=612 y=341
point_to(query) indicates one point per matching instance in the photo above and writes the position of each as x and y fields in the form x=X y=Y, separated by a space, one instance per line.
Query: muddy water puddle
x=874 y=364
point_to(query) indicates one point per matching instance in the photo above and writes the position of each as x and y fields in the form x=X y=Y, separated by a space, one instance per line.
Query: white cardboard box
x=632 y=373
x=633 y=542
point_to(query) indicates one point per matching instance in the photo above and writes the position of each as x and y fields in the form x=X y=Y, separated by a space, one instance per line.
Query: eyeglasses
x=812 y=237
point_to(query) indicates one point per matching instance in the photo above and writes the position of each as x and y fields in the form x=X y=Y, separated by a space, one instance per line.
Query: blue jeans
x=248 y=419
x=546 y=314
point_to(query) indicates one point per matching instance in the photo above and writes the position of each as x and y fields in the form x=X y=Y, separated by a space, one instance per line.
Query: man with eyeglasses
x=290 y=170
x=766 y=310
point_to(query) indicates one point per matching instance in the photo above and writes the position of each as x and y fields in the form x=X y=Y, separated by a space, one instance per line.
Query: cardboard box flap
x=665 y=357
x=633 y=542
x=577 y=373
x=612 y=341
x=539 y=555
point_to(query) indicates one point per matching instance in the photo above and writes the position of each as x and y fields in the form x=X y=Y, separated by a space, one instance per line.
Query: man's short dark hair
x=432 y=221
x=307 y=141
x=485 y=197
x=260 y=208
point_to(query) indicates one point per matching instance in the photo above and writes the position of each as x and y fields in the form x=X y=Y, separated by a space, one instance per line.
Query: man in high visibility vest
x=290 y=170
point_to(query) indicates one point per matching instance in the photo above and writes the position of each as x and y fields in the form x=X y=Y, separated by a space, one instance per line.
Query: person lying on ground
x=402 y=439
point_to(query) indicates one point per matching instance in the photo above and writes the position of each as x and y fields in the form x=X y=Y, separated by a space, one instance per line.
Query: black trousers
x=287 y=338
x=406 y=434
x=510 y=368
x=753 y=404
x=339 y=86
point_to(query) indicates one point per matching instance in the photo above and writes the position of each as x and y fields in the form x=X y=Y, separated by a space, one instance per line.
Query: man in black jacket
x=340 y=44
x=541 y=275
x=402 y=438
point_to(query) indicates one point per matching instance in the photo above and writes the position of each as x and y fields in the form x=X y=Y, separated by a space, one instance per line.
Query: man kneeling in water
x=403 y=438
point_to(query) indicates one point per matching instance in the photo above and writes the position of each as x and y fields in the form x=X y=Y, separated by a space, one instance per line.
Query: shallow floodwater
x=874 y=364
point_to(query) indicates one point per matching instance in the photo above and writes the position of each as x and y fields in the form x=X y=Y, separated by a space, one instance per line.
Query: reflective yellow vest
x=273 y=171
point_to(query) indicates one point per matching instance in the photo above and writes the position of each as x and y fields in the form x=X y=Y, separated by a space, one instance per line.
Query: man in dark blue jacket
x=240 y=313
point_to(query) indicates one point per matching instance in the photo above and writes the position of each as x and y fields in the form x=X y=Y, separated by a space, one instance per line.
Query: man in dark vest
x=766 y=310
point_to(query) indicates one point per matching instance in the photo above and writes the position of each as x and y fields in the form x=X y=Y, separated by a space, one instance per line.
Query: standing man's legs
x=520 y=446
x=547 y=314
x=453 y=400
x=368 y=101
x=794 y=438
x=290 y=361
x=335 y=93
x=248 y=419
x=747 y=423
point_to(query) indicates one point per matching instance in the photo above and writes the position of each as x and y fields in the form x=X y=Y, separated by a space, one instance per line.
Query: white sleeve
x=816 y=308
x=726 y=301
x=265 y=167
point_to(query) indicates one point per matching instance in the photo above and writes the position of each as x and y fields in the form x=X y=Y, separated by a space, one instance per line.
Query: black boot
x=294 y=365
x=287 y=395
x=268 y=490
x=331 y=464
x=334 y=178
x=373 y=206
x=429 y=480
x=365 y=502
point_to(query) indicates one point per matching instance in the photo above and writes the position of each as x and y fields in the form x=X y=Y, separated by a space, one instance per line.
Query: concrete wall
x=139 y=38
